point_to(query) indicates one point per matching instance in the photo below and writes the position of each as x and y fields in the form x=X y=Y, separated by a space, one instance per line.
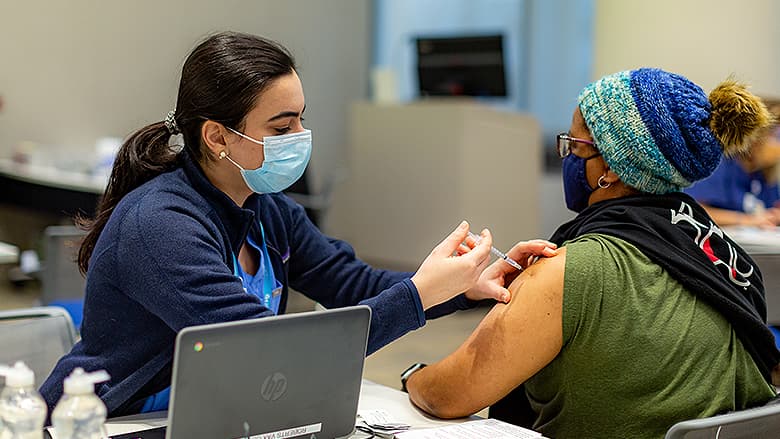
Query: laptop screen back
x=286 y=376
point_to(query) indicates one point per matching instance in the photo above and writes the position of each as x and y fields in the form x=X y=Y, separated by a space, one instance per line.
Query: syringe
x=497 y=253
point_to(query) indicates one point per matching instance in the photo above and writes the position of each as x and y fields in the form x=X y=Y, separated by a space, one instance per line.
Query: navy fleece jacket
x=164 y=262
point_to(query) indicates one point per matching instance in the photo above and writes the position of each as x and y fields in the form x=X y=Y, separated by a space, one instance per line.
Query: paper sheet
x=380 y=417
x=482 y=429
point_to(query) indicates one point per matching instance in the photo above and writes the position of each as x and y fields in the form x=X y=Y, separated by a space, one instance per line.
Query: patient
x=743 y=191
x=649 y=315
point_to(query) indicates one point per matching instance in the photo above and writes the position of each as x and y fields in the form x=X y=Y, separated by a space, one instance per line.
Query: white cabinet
x=417 y=170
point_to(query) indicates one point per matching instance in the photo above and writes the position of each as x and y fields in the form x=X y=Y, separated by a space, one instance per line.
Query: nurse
x=202 y=234
x=743 y=190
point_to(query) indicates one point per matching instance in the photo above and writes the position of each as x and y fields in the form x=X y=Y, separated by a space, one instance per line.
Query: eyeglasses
x=564 y=142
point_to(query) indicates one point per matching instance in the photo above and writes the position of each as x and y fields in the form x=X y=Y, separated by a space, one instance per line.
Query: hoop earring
x=601 y=184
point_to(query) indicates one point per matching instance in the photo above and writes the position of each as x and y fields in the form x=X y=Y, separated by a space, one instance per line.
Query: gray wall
x=705 y=41
x=77 y=70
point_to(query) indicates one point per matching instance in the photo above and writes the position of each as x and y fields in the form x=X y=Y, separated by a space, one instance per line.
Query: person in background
x=202 y=234
x=743 y=190
x=647 y=316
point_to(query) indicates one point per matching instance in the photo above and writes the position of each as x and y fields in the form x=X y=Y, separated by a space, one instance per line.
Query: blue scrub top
x=731 y=187
x=264 y=284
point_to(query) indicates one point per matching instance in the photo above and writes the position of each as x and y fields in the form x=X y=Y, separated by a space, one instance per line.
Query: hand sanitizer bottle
x=22 y=409
x=80 y=414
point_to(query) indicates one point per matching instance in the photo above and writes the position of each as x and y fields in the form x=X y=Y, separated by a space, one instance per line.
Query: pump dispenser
x=22 y=409
x=80 y=413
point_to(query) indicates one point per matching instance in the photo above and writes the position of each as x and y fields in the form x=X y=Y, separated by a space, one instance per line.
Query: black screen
x=461 y=66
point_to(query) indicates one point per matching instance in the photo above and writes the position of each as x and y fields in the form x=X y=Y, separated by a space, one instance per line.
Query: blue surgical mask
x=286 y=157
x=575 y=184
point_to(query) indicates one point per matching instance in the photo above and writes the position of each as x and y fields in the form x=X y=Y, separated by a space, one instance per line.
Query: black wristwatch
x=408 y=372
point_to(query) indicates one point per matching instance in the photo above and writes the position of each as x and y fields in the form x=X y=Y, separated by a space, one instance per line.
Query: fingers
x=490 y=285
x=462 y=250
x=466 y=246
x=536 y=247
x=453 y=241
x=547 y=245
x=498 y=293
x=481 y=251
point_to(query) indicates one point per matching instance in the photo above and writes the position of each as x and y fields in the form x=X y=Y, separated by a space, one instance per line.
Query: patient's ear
x=619 y=188
x=610 y=177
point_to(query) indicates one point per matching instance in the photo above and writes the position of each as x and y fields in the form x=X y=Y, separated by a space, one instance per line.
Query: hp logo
x=273 y=387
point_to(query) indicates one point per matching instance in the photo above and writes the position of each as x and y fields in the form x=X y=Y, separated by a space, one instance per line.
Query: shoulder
x=591 y=244
x=726 y=167
x=598 y=263
x=165 y=205
x=591 y=254
x=728 y=173
x=584 y=252
x=542 y=282
x=170 y=191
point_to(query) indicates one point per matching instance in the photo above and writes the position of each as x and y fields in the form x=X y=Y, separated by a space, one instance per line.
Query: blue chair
x=776 y=331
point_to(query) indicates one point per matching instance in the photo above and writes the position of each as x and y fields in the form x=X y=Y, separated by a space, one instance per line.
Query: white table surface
x=373 y=396
x=9 y=254
x=754 y=239
x=54 y=177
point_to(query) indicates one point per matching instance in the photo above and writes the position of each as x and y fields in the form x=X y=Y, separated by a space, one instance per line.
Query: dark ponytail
x=221 y=80
x=144 y=155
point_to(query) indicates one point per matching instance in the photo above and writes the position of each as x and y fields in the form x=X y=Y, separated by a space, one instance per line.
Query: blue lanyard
x=270 y=293
x=270 y=296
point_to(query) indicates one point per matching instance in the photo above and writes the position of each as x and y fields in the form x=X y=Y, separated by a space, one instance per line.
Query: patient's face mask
x=575 y=183
x=286 y=157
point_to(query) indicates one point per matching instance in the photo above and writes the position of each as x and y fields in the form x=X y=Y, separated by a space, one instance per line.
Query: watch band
x=408 y=372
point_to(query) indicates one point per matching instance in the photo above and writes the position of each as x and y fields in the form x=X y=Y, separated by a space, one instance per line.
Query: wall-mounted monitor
x=461 y=66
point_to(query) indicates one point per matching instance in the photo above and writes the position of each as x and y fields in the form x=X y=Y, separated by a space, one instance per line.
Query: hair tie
x=170 y=123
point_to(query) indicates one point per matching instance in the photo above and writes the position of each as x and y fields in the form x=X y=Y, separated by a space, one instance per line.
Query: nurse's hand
x=773 y=215
x=765 y=219
x=443 y=275
x=492 y=283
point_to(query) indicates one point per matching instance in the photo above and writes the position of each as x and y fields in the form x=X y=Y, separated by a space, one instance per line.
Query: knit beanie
x=659 y=132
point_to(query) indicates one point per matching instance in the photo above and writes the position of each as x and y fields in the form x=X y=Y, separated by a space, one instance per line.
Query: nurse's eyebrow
x=284 y=114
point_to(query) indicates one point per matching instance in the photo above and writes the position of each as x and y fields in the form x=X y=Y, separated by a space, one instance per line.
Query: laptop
x=289 y=376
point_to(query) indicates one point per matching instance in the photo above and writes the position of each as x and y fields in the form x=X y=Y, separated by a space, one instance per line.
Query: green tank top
x=640 y=352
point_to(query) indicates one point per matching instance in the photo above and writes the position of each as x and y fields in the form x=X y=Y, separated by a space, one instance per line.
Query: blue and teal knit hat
x=654 y=128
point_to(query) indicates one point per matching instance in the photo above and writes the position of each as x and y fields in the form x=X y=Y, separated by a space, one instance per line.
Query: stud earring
x=222 y=154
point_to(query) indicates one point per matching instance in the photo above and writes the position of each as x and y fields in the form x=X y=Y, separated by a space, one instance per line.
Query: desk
x=764 y=247
x=49 y=189
x=54 y=190
x=754 y=239
x=9 y=254
x=373 y=396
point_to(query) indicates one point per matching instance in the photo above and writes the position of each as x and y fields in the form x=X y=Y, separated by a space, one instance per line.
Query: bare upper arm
x=511 y=344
